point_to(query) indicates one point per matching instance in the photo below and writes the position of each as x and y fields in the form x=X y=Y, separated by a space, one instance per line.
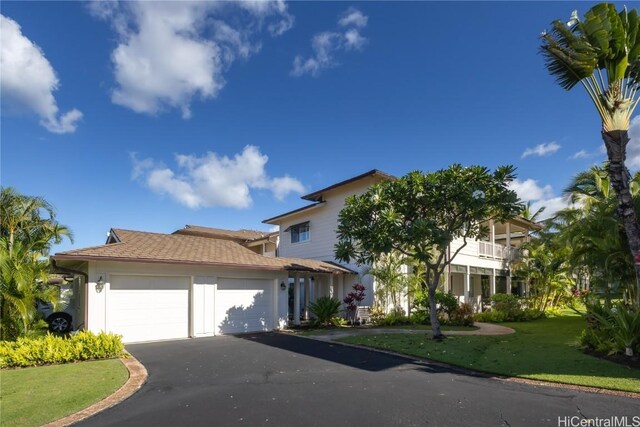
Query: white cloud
x=541 y=150
x=353 y=16
x=213 y=180
x=633 y=148
x=170 y=53
x=327 y=43
x=530 y=191
x=28 y=80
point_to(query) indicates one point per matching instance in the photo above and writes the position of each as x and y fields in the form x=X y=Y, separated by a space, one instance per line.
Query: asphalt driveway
x=281 y=380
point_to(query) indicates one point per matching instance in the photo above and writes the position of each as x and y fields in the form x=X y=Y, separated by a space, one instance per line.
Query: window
x=299 y=232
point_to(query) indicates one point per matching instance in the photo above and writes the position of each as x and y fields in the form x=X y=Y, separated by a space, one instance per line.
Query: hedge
x=52 y=349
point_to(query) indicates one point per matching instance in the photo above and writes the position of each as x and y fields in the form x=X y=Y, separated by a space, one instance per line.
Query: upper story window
x=299 y=232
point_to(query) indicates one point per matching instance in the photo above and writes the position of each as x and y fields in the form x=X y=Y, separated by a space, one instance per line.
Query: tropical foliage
x=420 y=214
x=325 y=309
x=602 y=53
x=52 y=349
x=28 y=229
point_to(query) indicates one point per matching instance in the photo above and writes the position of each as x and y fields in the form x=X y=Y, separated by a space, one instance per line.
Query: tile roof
x=140 y=246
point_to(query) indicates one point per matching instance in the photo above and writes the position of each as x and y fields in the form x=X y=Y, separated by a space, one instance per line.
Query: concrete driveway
x=282 y=380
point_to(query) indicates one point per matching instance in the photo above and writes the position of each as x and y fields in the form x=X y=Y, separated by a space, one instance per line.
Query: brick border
x=137 y=377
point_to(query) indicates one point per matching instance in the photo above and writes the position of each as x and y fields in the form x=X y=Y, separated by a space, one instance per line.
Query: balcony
x=494 y=251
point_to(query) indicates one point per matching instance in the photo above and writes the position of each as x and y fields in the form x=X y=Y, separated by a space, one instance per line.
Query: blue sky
x=155 y=115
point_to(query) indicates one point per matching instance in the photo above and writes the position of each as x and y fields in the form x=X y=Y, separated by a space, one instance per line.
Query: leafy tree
x=602 y=53
x=28 y=229
x=420 y=214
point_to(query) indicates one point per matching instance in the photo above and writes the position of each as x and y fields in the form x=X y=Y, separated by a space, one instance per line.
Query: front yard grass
x=323 y=331
x=544 y=349
x=35 y=396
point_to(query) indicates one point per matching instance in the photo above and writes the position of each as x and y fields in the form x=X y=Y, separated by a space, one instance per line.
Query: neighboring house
x=481 y=268
x=195 y=282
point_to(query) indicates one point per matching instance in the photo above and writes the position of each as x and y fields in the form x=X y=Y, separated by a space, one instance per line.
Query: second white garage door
x=243 y=305
x=147 y=308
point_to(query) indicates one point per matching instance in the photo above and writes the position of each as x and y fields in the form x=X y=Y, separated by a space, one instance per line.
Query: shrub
x=353 y=300
x=325 y=308
x=395 y=319
x=619 y=324
x=338 y=321
x=462 y=316
x=505 y=302
x=52 y=349
x=446 y=303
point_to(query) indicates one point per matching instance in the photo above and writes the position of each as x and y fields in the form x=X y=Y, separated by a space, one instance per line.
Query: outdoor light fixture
x=99 y=285
x=283 y=286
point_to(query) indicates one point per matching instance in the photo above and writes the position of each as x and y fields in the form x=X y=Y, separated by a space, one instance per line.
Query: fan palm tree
x=602 y=53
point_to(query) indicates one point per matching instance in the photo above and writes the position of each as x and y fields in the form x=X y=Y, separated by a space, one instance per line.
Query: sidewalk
x=334 y=334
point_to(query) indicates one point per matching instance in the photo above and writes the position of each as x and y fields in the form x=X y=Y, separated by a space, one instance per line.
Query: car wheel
x=60 y=323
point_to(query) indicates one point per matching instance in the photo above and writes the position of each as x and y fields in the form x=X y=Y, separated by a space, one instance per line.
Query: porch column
x=492 y=228
x=340 y=295
x=493 y=282
x=331 y=288
x=509 y=281
x=296 y=300
x=508 y=254
x=467 y=280
x=307 y=290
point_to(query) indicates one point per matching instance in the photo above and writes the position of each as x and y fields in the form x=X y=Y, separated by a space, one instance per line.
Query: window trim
x=297 y=228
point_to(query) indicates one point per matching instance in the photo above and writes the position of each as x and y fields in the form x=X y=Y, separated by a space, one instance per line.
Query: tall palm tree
x=602 y=53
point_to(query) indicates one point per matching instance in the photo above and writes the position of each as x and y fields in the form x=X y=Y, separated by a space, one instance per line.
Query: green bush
x=612 y=329
x=462 y=316
x=394 y=319
x=498 y=316
x=505 y=302
x=324 y=309
x=446 y=304
x=52 y=349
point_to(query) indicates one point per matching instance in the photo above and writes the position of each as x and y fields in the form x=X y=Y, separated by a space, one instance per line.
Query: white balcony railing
x=489 y=250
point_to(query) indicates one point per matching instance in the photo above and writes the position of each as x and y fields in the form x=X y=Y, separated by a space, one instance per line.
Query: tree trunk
x=616 y=143
x=433 y=315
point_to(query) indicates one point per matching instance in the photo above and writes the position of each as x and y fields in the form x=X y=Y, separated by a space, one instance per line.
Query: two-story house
x=481 y=268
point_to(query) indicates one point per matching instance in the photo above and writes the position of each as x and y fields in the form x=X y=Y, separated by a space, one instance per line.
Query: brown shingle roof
x=140 y=246
x=241 y=235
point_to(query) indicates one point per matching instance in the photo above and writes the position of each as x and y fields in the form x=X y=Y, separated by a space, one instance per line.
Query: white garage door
x=243 y=305
x=146 y=308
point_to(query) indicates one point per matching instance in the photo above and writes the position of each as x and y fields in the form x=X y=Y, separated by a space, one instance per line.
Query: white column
x=467 y=280
x=492 y=227
x=331 y=288
x=508 y=254
x=508 y=281
x=296 y=300
x=493 y=282
x=307 y=290
x=340 y=295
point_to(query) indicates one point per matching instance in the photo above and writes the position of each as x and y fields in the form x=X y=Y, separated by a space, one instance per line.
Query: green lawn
x=34 y=396
x=444 y=328
x=544 y=349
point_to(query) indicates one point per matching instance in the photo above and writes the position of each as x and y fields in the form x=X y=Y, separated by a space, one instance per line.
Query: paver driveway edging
x=137 y=377
x=467 y=371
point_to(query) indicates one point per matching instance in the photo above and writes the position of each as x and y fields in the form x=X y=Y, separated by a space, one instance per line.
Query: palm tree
x=28 y=229
x=602 y=53
x=594 y=235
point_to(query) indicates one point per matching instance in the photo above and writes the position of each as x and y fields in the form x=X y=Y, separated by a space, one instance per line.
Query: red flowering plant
x=353 y=300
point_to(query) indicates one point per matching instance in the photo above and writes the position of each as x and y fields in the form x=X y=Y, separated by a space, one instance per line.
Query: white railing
x=489 y=250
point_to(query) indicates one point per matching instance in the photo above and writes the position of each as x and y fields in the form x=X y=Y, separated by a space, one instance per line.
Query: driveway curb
x=466 y=371
x=137 y=377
